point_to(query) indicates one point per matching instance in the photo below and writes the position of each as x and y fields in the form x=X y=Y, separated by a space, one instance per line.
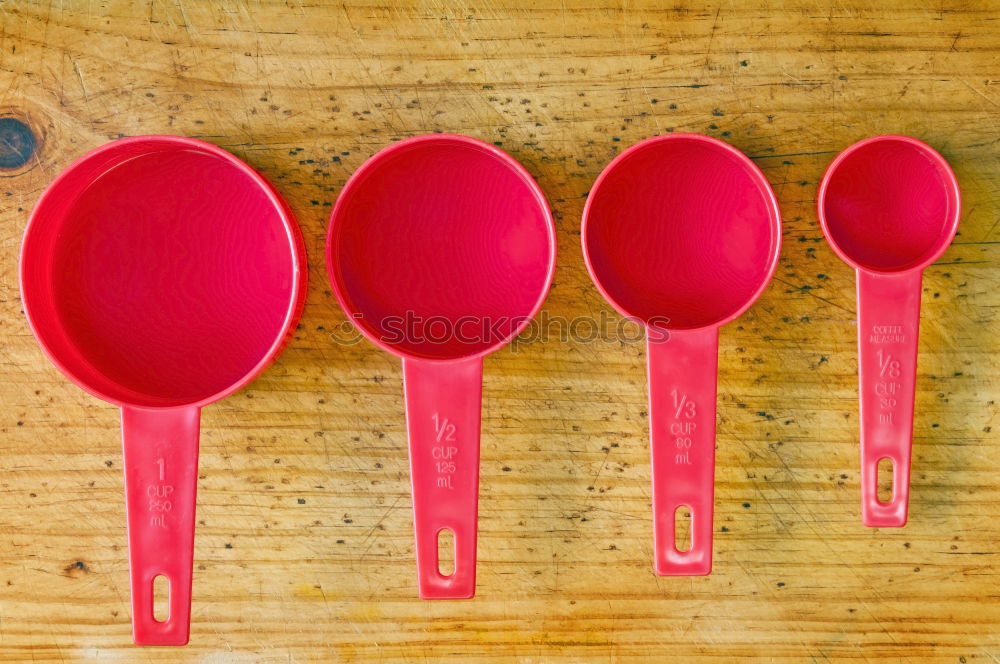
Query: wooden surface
x=304 y=545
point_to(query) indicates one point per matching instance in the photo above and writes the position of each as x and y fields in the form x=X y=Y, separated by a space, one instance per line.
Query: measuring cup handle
x=160 y=449
x=443 y=405
x=888 y=323
x=682 y=370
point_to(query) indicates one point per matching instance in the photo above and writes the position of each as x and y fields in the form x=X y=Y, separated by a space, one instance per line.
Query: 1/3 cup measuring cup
x=681 y=232
x=441 y=249
x=889 y=206
x=161 y=274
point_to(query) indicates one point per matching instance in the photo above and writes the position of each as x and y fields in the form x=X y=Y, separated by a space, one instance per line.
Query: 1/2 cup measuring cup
x=681 y=233
x=441 y=249
x=161 y=274
x=889 y=206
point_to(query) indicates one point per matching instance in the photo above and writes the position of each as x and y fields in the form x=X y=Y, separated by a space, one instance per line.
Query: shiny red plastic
x=682 y=233
x=454 y=235
x=889 y=206
x=161 y=274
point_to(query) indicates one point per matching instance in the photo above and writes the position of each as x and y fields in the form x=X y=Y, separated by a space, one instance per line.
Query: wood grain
x=304 y=547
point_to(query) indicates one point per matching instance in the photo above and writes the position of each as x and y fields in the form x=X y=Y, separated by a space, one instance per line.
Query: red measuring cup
x=441 y=249
x=160 y=274
x=682 y=232
x=889 y=207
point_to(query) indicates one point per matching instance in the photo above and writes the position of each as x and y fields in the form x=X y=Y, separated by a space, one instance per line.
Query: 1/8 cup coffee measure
x=889 y=206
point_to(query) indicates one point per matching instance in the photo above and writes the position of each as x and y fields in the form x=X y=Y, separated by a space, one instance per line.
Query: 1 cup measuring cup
x=681 y=232
x=441 y=249
x=161 y=274
x=889 y=206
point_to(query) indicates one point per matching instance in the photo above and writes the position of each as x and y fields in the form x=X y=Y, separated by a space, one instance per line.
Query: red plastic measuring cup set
x=162 y=274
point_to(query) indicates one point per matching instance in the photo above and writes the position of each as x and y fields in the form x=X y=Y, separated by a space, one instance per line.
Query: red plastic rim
x=443 y=226
x=681 y=231
x=41 y=245
x=889 y=204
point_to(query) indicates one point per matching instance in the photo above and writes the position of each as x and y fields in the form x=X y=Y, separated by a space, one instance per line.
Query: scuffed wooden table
x=304 y=546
